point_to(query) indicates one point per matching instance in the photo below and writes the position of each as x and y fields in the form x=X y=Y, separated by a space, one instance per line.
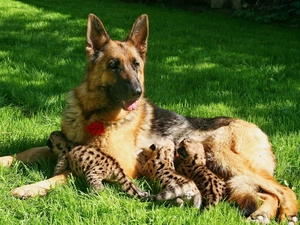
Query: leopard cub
x=192 y=164
x=90 y=162
x=160 y=166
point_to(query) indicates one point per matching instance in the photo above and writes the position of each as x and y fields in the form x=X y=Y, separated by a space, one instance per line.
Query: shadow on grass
x=201 y=59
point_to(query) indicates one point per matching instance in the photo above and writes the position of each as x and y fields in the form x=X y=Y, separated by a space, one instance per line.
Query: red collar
x=96 y=128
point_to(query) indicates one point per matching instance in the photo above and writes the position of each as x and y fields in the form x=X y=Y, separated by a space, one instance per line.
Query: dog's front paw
x=259 y=218
x=28 y=191
x=6 y=160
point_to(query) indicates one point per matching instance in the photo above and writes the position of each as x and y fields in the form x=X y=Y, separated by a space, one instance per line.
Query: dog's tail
x=244 y=191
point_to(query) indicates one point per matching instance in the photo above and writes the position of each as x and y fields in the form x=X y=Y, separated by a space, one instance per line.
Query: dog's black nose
x=136 y=92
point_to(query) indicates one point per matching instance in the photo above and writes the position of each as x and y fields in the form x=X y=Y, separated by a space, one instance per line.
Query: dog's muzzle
x=126 y=94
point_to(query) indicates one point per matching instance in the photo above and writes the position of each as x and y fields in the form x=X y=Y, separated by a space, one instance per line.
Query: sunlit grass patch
x=198 y=64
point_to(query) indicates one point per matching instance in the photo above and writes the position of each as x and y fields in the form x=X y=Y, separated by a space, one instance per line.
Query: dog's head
x=116 y=68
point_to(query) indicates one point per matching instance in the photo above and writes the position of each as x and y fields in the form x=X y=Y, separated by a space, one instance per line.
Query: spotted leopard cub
x=192 y=164
x=90 y=162
x=160 y=166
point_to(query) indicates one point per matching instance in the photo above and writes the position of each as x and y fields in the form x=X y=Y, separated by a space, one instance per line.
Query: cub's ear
x=182 y=152
x=139 y=35
x=152 y=147
x=49 y=144
x=96 y=35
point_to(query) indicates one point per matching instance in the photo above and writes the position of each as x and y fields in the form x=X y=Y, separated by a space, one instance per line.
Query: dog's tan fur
x=237 y=151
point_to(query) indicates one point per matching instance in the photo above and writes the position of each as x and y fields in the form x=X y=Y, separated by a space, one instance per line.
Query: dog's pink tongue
x=129 y=106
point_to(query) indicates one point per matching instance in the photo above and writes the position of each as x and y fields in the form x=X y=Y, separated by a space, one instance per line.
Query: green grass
x=198 y=65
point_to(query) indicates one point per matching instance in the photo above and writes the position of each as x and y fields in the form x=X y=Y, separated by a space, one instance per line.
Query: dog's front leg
x=29 y=156
x=40 y=188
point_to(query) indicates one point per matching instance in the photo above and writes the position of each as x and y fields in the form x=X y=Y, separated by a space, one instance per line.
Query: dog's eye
x=114 y=64
x=135 y=65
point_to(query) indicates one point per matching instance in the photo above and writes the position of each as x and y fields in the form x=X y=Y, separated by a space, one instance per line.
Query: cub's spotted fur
x=192 y=164
x=160 y=166
x=90 y=162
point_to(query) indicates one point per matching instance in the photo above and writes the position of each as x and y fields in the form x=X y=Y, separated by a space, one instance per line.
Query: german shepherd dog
x=109 y=109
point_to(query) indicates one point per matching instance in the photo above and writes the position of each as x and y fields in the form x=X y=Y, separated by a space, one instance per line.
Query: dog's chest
x=121 y=143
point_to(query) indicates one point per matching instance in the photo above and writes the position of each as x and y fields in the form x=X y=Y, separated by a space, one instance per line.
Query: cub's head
x=116 y=68
x=164 y=149
x=190 y=151
x=58 y=143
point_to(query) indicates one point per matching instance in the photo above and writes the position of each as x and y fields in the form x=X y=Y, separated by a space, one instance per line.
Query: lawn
x=198 y=64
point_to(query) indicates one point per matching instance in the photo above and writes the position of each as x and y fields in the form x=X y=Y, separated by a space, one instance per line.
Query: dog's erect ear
x=139 y=35
x=96 y=36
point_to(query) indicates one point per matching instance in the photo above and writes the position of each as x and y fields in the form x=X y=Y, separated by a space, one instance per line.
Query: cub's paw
x=259 y=218
x=6 y=160
x=144 y=194
x=177 y=202
x=28 y=191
